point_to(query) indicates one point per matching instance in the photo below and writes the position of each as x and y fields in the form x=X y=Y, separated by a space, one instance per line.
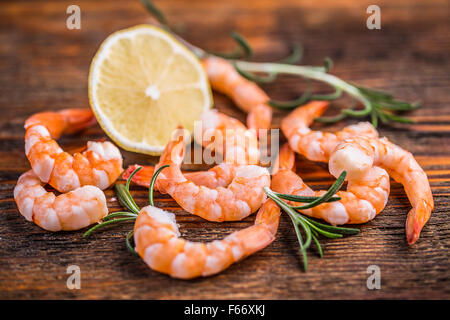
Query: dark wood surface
x=45 y=66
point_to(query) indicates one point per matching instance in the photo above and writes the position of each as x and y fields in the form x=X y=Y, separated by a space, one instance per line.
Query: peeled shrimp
x=365 y=197
x=318 y=145
x=158 y=242
x=69 y=211
x=229 y=137
x=218 y=176
x=243 y=196
x=246 y=94
x=100 y=165
x=157 y=238
x=359 y=155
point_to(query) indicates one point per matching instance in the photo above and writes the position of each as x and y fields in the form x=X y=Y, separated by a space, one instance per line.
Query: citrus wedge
x=143 y=84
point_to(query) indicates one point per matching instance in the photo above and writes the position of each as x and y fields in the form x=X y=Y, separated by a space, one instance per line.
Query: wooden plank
x=44 y=66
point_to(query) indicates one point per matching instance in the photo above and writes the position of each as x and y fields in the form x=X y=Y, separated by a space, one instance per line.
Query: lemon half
x=143 y=83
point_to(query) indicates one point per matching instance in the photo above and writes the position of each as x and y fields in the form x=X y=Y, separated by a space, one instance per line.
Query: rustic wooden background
x=45 y=66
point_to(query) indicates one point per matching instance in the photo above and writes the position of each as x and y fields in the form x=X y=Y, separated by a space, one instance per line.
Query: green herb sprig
x=125 y=198
x=310 y=227
x=378 y=105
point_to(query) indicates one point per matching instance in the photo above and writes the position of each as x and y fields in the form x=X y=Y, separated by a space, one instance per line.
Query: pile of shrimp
x=79 y=178
x=230 y=191
x=368 y=161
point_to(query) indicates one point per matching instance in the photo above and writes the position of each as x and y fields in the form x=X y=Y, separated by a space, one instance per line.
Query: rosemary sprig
x=310 y=227
x=376 y=104
x=243 y=49
x=124 y=196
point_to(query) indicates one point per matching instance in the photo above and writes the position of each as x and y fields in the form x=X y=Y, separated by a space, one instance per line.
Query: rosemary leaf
x=100 y=225
x=328 y=64
x=290 y=104
x=125 y=198
x=340 y=230
x=127 y=185
x=295 y=56
x=300 y=242
x=316 y=241
x=325 y=233
x=331 y=191
x=128 y=243
x=119 y=214
x=374 y=118
x=305 y=199
x=332 y=96
x=397 y=118
x=243 y=50
x=332 y=119
x=152 y=184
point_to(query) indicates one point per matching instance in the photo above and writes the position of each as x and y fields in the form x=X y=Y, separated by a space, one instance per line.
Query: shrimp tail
x=65 y=121
x=173 y=156
x=416 y=220
x=78 y=119
x=173 y=153
x=305 y=113
x=285 y=159
x=142 y=177
x=259 y=118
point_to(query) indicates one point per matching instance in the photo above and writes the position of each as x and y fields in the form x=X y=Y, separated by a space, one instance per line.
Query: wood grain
x=45 y=66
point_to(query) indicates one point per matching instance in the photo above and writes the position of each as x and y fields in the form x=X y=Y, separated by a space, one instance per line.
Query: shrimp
x=69 y=211
x=240 y=146
x=365 y=197
x=218 y=176
x=157 y=238
x=228 y=136
x=359 y=155
x=246 y=94
x=243 y=196
x=318 y=145
x=99 y=165
x=158 y=242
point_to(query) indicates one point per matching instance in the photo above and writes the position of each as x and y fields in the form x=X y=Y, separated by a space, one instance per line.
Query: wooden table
x=43 y=66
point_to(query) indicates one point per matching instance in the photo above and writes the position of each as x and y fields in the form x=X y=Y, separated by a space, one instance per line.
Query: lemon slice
x=143 y=83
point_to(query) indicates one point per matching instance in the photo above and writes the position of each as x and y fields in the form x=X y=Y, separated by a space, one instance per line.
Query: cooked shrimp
x=158 y=242
x=228 y=136
x=246 y=94
x=218 y=176
x=243 y=195
x=318 y=145
x=359 y=155
x=100 y=165
x=157 y=239
x=365 y=197
x=69 y=211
